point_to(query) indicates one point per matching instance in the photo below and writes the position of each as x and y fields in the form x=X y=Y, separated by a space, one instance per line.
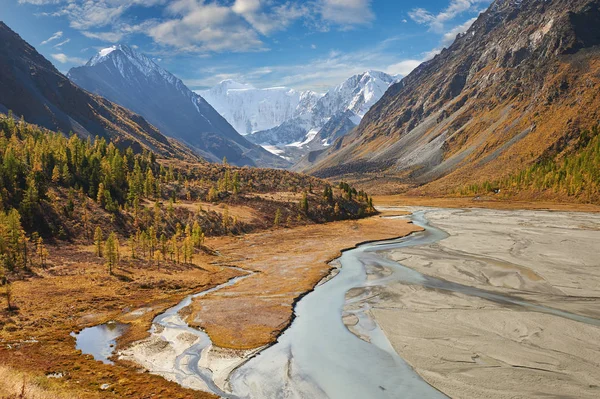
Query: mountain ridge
x=249 y=109
x=498 y=99
x=344 y=104
x=135 y=81
x=32 y=87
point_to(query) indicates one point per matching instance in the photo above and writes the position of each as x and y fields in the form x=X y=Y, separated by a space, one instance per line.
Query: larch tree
x=111 y=250
x=304 y=203
x=41 y=251
x=98 y=237
x=277 y=217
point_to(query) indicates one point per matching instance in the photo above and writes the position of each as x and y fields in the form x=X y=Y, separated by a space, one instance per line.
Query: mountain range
x=291 y=123
x=250 y=110
x=516 y=89
x=133 y=80
x=34 y=89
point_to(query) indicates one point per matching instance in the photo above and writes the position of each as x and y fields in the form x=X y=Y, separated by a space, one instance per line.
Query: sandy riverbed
x=469 y=347
x=243 y=318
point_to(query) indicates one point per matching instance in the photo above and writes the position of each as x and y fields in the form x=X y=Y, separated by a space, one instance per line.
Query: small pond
x=99 y=341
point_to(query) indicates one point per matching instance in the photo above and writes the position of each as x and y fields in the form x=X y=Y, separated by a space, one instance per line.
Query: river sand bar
x=471 y=347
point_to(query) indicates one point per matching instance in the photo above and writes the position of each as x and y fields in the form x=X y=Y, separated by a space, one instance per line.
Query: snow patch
x=106 y=51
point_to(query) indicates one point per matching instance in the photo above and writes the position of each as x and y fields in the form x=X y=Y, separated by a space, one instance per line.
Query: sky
x=306 y=45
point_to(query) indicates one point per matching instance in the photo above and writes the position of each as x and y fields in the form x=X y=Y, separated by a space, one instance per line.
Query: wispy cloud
x=64 y=59
x=318 y=74
x=55 y=36
x=58 y=45
x=449 y=36
x=437 y=22
x=203 y=26
x=347 y=13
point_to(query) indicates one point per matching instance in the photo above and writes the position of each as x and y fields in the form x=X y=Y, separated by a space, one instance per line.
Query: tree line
x=574 y=174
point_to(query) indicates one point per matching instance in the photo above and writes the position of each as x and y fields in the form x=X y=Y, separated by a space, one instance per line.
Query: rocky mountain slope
x=249 y=109
x=31 y=87
x=332 y=115
x=517 y=88
x=133 y=80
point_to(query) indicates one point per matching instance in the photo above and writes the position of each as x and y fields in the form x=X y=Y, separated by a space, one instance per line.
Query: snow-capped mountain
x=135 y=81
x=343 y=105
x=249 y=109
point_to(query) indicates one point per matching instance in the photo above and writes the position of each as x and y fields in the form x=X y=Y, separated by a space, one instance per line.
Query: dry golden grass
x=18 y=385
x=75 y=292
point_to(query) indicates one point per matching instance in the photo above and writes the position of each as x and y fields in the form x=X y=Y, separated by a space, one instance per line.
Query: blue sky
x=312 y=44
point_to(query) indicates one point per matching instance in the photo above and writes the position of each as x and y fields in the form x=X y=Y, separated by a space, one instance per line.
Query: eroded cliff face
x=519 y=85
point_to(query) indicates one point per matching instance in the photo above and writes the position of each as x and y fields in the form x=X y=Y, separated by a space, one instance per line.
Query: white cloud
x=120 y=31
x=437 y=21
x=89 y=14
x=112 y=37
x=57 y=45
x=201 y=27
x=39 y=2
x=266 y=20
x=449 y=36
x=63 y=59
x=55 y=36
x=403 y=67
x=347 y=12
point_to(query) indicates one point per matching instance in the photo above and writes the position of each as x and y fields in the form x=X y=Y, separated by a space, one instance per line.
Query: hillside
x=517 y=89
x=63 y=188
x=31 y=87
x=93 y=229
x=131 y=79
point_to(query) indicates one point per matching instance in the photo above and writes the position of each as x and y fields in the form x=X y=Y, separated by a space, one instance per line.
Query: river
x=317 y=356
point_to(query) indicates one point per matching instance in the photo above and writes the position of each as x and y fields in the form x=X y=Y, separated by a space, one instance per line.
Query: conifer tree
x=100 y=195
x=111 y=250
x=197 y=235
x=163 y=246
x=132 y=247
x=212 y=194
x=41 y=251
x=277 y=217
x=98 y=237
x=56 y=174
x=304 y=203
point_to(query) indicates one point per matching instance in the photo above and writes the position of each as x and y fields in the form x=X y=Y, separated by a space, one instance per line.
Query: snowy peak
x=249 y=109
x=135 y=81
x=326 y=118
x=357 y=94
x=130 y=62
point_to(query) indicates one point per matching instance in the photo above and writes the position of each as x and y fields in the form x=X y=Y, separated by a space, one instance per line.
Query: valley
x=277 y=199
x=78 y=293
